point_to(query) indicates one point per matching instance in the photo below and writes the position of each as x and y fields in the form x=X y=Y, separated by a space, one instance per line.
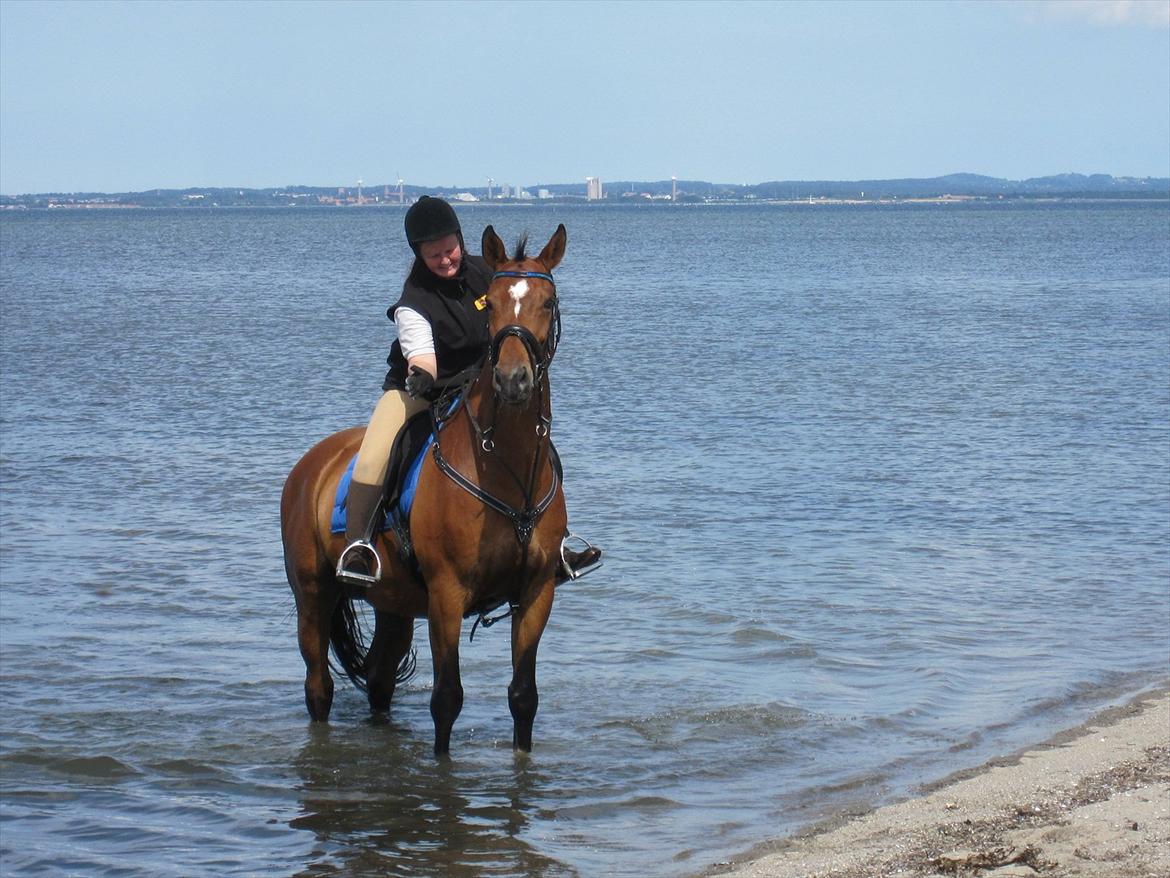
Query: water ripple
x=925 y=522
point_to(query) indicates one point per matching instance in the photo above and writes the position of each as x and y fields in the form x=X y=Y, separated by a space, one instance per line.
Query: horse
x=487 y=521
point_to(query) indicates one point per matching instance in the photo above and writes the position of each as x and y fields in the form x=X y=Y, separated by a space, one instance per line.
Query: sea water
x=883 y=491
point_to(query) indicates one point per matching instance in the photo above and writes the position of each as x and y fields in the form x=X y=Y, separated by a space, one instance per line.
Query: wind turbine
x=490 y=181
x=400 y=181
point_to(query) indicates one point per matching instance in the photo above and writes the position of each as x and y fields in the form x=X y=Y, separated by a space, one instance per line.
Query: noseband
x=538 y=355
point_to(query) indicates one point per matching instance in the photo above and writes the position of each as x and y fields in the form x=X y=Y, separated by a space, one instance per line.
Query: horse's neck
x=515 y=431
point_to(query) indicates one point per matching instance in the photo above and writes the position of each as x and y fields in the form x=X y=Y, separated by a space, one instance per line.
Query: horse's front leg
x=445 y=618
x=391 y=643
x=527 y=627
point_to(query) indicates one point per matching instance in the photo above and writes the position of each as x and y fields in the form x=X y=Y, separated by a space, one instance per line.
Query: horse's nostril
x=515 y=384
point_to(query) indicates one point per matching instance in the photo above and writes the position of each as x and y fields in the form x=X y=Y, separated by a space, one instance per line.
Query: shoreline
x=1090 y=802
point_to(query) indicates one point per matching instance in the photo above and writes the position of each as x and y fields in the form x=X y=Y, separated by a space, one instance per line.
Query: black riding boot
x=575 y=564
x=359 y=564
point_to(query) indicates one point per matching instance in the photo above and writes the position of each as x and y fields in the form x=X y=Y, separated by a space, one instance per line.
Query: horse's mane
x=519 y=255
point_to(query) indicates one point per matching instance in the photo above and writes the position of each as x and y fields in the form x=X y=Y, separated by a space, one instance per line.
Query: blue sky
x=101 y=96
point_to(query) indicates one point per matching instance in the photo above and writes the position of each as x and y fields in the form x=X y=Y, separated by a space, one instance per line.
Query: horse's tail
x=348 y=638
x=347 y=635
x=407 y=666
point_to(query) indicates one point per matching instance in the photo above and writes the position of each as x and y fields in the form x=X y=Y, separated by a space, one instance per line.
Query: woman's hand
x=419 y=382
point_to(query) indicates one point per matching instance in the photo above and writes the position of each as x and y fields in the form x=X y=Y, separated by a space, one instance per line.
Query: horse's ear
x=554 y=250
x=493 y=248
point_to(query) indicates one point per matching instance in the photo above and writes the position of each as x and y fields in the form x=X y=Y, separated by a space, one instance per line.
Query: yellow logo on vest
x=481 y=302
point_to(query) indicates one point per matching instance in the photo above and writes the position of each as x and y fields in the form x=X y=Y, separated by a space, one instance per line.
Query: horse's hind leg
x=527 y=627
x=315 y=607
x=392 y=637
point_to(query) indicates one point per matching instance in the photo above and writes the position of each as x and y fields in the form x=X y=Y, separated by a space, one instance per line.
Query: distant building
x=593 y=188
x=543 y=193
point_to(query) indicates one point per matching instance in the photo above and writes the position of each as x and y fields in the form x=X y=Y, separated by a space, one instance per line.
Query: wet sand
x=1094 y=801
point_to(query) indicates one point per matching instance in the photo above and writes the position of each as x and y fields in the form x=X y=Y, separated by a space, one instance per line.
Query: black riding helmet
x=430 y=219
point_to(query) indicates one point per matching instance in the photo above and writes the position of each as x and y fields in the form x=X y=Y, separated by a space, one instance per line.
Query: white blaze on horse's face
x=518 y=291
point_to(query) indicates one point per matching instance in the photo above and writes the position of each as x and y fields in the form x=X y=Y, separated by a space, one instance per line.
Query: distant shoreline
x=924 y=190
x=823 y=201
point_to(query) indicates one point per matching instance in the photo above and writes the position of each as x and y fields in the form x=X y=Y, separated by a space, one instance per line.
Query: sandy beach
x=1093 y=801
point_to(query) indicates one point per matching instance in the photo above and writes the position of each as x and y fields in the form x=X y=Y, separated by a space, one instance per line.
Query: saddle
x=406 y=459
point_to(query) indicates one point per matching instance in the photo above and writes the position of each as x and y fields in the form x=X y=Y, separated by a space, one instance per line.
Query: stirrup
x=568 y=570
x=352 y=577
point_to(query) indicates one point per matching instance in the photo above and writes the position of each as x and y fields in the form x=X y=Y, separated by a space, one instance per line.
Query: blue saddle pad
x=409 y=486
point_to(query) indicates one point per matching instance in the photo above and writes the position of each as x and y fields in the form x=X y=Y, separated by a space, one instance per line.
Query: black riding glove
x=419 y=382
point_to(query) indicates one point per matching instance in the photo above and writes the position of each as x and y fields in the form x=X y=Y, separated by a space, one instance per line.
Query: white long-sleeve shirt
x=414 y=333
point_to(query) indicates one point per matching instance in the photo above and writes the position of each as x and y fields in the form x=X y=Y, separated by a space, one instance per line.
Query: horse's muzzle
x=513 y=384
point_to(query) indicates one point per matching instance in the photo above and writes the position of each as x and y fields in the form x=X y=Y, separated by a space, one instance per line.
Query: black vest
x=459 y=328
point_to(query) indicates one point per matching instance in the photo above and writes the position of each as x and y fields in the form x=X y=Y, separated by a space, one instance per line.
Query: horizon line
x=583 y=183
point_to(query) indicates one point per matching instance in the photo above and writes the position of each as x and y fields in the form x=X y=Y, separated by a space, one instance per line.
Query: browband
x=539 y=274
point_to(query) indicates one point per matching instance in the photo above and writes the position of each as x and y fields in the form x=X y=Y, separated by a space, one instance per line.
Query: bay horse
x=487 y=521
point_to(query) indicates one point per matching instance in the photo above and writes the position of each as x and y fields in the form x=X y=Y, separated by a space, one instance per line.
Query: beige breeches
x=391 y=412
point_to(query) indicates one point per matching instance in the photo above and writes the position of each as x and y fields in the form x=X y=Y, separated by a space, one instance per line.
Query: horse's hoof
x=318 y=708
x=379 y=702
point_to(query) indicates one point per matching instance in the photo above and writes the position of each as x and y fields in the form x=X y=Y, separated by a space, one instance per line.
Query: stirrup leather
x=586 y=546
x=365 y=580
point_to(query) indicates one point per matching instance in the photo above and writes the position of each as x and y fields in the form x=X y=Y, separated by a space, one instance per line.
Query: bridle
x=540 y=356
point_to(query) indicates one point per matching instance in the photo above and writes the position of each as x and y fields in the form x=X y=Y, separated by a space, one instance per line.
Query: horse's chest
x=500 y=579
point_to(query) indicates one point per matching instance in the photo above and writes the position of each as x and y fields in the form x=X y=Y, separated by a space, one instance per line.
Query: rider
x=440 y=334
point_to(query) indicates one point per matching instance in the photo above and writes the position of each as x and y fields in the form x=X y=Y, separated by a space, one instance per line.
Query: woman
x=440 y=334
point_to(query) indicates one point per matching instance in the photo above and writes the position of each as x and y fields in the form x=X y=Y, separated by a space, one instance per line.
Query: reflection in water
x=380 y=804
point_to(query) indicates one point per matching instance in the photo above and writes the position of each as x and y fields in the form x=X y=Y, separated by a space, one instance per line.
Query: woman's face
x=443 y=256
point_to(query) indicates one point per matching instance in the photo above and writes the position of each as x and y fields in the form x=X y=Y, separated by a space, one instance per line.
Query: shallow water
x=883 y=491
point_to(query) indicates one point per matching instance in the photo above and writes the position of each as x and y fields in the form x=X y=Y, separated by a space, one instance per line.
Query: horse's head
x=523 y=315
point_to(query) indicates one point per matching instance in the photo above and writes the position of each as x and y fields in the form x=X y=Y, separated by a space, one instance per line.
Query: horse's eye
x=549 y=304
